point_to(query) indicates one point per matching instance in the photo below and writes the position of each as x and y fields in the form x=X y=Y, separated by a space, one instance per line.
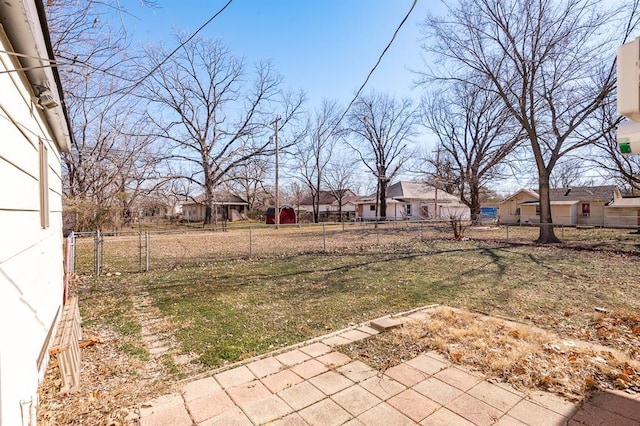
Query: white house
x=34 y=130
x=328 y=204
x=226 y=206
x=414 y=201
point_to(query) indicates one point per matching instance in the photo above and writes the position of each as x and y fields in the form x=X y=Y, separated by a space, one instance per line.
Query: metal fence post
x=139 y=251
x=72 y=253
x=96 y=254
x=507 y=233
x=146 y=251
x=250 y=241
x=377 y=232
x=562 y=228
x=324 y=239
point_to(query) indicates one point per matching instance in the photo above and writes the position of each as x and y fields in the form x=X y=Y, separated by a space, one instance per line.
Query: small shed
x=287 y=215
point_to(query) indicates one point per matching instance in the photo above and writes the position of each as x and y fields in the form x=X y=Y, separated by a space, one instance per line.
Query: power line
x=75 y=62
x=128 y=90
x=180 y=46
x=395 y=33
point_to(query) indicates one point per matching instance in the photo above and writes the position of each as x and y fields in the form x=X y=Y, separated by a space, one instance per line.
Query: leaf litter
x=525 y=357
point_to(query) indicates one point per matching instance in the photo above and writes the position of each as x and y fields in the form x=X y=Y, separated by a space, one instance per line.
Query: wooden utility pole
x=277 y=212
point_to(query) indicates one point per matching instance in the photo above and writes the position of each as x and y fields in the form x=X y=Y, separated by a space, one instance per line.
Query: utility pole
x=436 y=185
x=277 y=212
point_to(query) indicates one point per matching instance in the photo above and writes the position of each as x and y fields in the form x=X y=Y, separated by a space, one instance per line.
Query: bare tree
x=109 y=164
x=381 y=128
x=476 y=134
x=549 y=61
x=570 y=172
x=248 y=180
x=214 y=115
x=339 y=180
x=311 y=157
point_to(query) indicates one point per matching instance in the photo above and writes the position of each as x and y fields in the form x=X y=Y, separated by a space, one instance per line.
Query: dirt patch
x=113 y=383
x=525 y=357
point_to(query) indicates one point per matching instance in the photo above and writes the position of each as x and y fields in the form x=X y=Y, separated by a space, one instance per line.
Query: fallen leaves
x=525 y=357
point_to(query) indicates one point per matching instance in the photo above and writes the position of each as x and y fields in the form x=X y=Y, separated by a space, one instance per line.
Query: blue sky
x=325 y=47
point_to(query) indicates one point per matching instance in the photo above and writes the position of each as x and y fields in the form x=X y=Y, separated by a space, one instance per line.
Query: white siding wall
x=628 y=217
x=564 y=214
x=596 y=214
x=31 y=269
x=367 y=213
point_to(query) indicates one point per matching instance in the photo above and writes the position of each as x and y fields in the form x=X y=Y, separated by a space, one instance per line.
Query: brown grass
x=221 y=307
x=525 y=357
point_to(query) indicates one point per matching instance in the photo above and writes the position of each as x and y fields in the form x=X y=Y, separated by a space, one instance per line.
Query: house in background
x=329 y=206
x=226 y=206
x=414 y=201
x=509 y=208
x=34 y=130
x=587 y=206
x=623 y=212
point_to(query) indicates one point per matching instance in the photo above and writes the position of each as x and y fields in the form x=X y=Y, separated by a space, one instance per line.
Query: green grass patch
x=231 y=310
x=228 y=311
x=136 y=351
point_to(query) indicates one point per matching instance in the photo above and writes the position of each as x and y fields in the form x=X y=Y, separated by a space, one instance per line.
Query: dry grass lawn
x=220 y=308
x=525 y=357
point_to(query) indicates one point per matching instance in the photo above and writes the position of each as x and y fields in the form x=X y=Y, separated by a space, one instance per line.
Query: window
x=44 y=185
x=537 y=209
x=372 y=207
x=586 y=209
x=408 y=209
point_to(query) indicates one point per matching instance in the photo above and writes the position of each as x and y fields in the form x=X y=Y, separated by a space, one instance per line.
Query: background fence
x=125 y=252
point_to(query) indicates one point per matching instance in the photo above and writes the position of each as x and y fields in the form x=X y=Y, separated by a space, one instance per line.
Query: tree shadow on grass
x=239 y=279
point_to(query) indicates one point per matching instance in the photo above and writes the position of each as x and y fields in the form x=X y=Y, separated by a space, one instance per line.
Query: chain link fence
x=98 y=253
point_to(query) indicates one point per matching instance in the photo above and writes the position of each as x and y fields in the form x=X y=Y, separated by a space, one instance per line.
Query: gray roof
x=583 y=193
x=326 y=197
x=416 y=191
x=221 y=197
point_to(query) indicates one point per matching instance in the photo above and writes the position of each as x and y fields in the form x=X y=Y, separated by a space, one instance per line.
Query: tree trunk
x=208 y=202
x=547 y=234
x=207 y=215
x=316 y=208
x=383 y=200
x=476 y=212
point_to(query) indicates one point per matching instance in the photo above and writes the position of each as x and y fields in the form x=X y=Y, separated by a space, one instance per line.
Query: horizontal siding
x=627 y=217
x=20 y=152
x=19 y=190
x=21 y=230
x=31 y=292
x=31 y=264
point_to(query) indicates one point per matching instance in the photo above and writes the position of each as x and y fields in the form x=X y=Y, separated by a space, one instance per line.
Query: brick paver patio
x=315 y=385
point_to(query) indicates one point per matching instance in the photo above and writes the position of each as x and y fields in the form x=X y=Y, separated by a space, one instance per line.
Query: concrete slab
x=234 y=377
x=384 y=324
x=316 y=349
x=165 y=411
x=413 y=405
x=334 y=359
x=356 y=400
x=282 y=380
x=200 y=388
x=324 y=413
x=265 y=367
x=301 y=395
x=330 y=382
